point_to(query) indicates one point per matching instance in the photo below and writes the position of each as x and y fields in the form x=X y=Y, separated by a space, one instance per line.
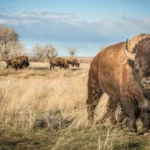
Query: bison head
x=141 y=67
x=141 y=73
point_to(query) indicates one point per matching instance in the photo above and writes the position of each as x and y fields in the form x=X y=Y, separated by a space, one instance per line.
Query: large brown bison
x=58 y=61
x=122 y=71
x=72 y=61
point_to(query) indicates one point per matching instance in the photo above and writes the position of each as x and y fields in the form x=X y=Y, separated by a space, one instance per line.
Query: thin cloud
x=67 y=26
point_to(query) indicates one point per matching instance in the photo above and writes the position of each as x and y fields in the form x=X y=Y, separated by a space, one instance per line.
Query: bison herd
x=122 y=71
x=22 y=62
x=63 y=62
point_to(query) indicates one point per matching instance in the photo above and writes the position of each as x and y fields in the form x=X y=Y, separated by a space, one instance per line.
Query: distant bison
x=58 y=61
x=72 y=61
x=122 y=71
x=23 y=60
x=18 y=62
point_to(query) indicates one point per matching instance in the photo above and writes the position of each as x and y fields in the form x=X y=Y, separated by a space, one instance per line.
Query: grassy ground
x=42 y=109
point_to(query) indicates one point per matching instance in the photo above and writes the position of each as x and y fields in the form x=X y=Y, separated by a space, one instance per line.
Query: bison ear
x=129 y=55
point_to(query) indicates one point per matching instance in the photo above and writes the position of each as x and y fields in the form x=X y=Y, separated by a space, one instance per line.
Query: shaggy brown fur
x=17 y=62
x=23 y=61
x=112 y=73
x=58 y=61
x=8 y=62
x=72 y=61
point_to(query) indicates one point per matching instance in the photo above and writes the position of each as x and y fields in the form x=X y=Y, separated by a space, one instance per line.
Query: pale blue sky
x=83 y=24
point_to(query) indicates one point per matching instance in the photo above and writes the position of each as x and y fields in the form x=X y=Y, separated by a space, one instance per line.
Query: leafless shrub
x=46 y=51
x=7 y=35
x=12 y=49
x=9 y=45
x=72 y=52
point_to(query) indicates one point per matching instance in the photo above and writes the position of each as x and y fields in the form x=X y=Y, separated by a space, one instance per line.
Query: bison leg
x=145 y=118
x=94 y=94
x=21 y=66
x=121 y=119
x=16 y=68
x=111 y=107
x=61 y=66
x=130 y=110
x=50 y=67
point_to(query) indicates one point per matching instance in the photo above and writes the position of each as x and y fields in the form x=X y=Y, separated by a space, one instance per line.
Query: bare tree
x=46 y=51
x=50 y=51
x=11 y=49
x=9 y=45
x=72 y=52
x=7 y=35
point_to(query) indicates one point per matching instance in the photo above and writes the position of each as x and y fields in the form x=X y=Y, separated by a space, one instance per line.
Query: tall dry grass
x=106 y=144
x=36 y=98
x=45 y=97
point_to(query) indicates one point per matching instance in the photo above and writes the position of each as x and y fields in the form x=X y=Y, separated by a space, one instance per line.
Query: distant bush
x=72 y=52
x=7 y=35
x=9 y=44
x=44 y=52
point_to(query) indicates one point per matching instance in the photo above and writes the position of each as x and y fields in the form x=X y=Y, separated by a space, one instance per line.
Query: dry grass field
x=43 y=110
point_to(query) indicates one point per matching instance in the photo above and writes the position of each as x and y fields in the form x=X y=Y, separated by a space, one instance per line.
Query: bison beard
x=120 y=74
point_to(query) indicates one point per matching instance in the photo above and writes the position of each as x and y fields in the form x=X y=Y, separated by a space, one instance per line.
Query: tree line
x=10 y=46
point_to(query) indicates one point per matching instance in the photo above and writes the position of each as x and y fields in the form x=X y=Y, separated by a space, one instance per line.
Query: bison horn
x=130 y=56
